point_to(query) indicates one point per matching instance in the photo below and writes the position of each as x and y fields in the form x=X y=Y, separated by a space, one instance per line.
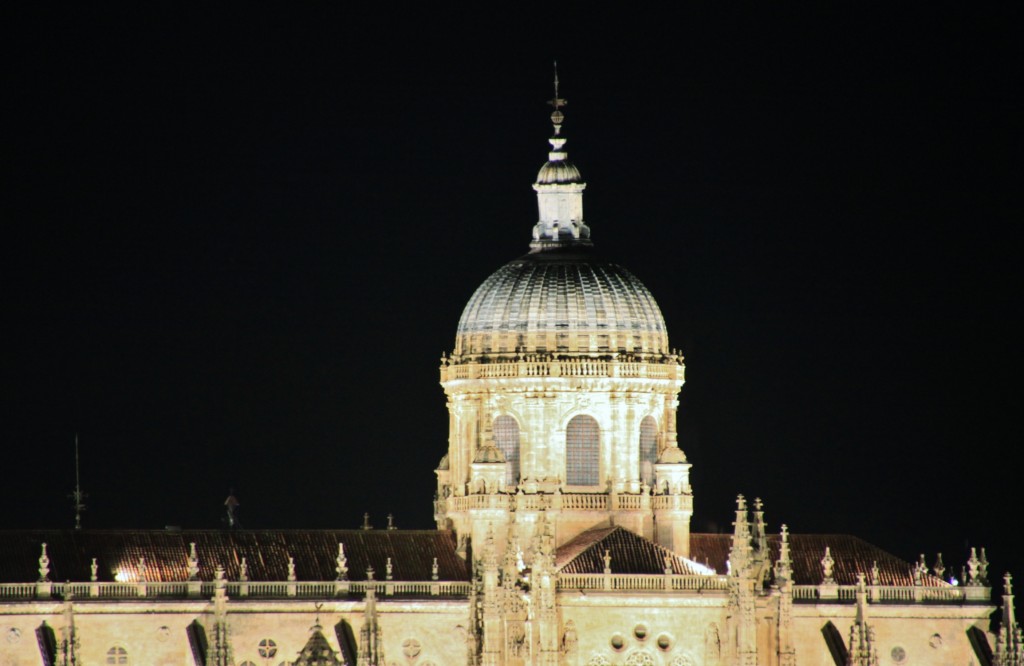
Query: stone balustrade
x=235 y=589
x=643 y=582
x=562 y=368
x=892 y=594
x=560 y=501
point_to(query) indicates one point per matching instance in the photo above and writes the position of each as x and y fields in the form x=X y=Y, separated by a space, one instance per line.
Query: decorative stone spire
x=827 y=563
x=341 y=563
x=559 y=190
x=760 y=539
x=69 y=642
x=862 y=637
x=939 y=569
x=389 y=570
x=876 y=574
x=44 y=566
x=243 y=571
x=920 y=570
x=740 y=552
x=291 y=569
x=784 y=565
x=193 y=562
x=371 y=640
x=220 y=652
x=1010 y=638
x=434 y=570
x=94 y=571
x=972 y=569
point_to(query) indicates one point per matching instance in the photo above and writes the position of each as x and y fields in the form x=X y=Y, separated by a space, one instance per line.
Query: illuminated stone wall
x=543 y=396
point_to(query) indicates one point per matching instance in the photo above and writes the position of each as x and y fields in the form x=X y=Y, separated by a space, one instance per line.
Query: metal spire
x=78 y=497
x=557 y=116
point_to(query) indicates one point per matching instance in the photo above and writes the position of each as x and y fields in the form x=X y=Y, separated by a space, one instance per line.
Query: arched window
x=117 y=655
x=582 y=451
x=648 y=449
x=506 y=438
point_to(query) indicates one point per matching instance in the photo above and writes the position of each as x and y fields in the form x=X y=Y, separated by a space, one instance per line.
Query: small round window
x=617 y=642
x=640 y=631
x=267 y=648
x=664 y=642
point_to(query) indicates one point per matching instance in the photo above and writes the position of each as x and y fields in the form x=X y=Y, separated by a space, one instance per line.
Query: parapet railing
x=563 y=501
x=644 y=582
x=234 y=589
x=892 y=593
x=562 y=368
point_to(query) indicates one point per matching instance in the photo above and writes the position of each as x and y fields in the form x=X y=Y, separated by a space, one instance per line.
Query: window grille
x=117 y=655
x=506 y=438
x=582 y=451
x=648 y=449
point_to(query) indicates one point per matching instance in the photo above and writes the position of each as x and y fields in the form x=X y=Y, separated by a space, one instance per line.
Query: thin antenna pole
x=78 y=497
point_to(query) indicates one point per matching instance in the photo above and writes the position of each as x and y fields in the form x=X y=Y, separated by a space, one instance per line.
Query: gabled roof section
x=852 y=555
x=317 y=651
x=630 y=554
x=266 y=553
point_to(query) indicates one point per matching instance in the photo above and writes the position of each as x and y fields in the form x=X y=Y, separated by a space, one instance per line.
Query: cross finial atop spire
x=556 y=101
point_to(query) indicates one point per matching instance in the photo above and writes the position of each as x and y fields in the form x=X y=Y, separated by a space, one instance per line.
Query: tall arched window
x=648 y=449
x=582 y=451
x=117 y=655
x=506 y=438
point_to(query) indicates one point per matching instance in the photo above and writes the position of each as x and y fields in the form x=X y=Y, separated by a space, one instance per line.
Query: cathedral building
x=563 y=537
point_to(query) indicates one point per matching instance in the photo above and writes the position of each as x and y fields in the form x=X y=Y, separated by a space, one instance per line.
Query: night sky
x=237 y=244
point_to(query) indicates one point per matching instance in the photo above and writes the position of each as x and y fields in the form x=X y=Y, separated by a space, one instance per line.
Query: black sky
x=237 y=243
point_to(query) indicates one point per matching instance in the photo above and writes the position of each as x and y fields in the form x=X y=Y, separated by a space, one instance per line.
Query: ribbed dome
x=563 y=301
x=558 y=171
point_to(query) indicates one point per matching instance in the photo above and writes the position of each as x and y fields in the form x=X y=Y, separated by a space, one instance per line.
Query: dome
x=672 y=454
x=489 y=453
x=559 y=171
x=561 y=301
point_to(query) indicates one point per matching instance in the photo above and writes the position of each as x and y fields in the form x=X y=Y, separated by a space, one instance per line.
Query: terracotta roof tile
x=630 y=553
x=266 y=553
x=851 y=554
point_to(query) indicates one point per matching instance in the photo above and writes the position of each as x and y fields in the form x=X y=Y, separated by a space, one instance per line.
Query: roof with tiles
x=266 y=553
x=630 y=554
x=851 y=554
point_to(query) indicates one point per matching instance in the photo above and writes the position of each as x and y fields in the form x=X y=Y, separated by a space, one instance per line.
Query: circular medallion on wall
x=163 y=633
x=411 y=648
x=898 y=654
x=935 y=641
x=13 y=635
x=267 y=648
